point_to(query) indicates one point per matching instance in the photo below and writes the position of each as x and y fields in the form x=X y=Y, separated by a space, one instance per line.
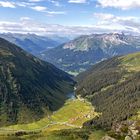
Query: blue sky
x=68 y=17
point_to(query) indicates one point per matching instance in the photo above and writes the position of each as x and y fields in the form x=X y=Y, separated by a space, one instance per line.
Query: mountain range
x=29 y=88
x=106 y=100
x=81 y=53
x=33 y=43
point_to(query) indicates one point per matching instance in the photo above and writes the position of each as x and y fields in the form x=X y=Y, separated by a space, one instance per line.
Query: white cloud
x=110 y=18
x=39 y=8
x=49 y=13
x=10 y=4
x=77 y=1
x=108 y=24
x=31 y=4
x=104 y=16
x=24 y=4
x=30 y=26
x=56 y=12
x=35 y=0
x=124 y=23
x=55 y=2
x=25 y=18
x=7 y=4
x=123 y=4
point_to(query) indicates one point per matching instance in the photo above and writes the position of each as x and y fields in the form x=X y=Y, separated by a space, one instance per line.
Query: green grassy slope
x=63 y=124
x=131 y=62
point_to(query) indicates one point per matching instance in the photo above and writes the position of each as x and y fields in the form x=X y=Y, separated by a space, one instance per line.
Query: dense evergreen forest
x=30 y=88
x=112 y=89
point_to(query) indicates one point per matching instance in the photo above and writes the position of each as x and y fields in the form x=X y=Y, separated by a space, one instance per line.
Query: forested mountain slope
x=113 y=87
x=29 y=88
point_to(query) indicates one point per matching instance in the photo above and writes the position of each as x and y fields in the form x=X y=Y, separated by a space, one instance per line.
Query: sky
x=69 y=17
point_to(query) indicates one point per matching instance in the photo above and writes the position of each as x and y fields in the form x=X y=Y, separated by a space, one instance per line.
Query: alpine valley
x=38 y=100
x=81 y=53
x=69 y=69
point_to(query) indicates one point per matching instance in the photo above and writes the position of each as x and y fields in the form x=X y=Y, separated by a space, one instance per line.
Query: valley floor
x=66 y=124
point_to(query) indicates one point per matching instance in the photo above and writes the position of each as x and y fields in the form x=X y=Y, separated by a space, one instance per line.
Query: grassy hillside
x=63 y=124
x=30 y=88
x=131 y=62
x=113 y=88
x=74 y=112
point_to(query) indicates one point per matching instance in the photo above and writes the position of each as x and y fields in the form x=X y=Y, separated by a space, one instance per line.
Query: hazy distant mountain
x=60 y=39
x=29 y=87
x=84 y=51
x=34 y=43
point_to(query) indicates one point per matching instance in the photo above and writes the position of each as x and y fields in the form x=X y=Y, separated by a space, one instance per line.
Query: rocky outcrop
x=129 y=130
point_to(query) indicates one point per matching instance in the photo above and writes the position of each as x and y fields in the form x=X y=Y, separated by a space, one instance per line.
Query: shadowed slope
x=29 y=87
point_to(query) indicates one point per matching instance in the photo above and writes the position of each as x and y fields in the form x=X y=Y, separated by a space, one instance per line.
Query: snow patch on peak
x=69 y=45
x=114 y=39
